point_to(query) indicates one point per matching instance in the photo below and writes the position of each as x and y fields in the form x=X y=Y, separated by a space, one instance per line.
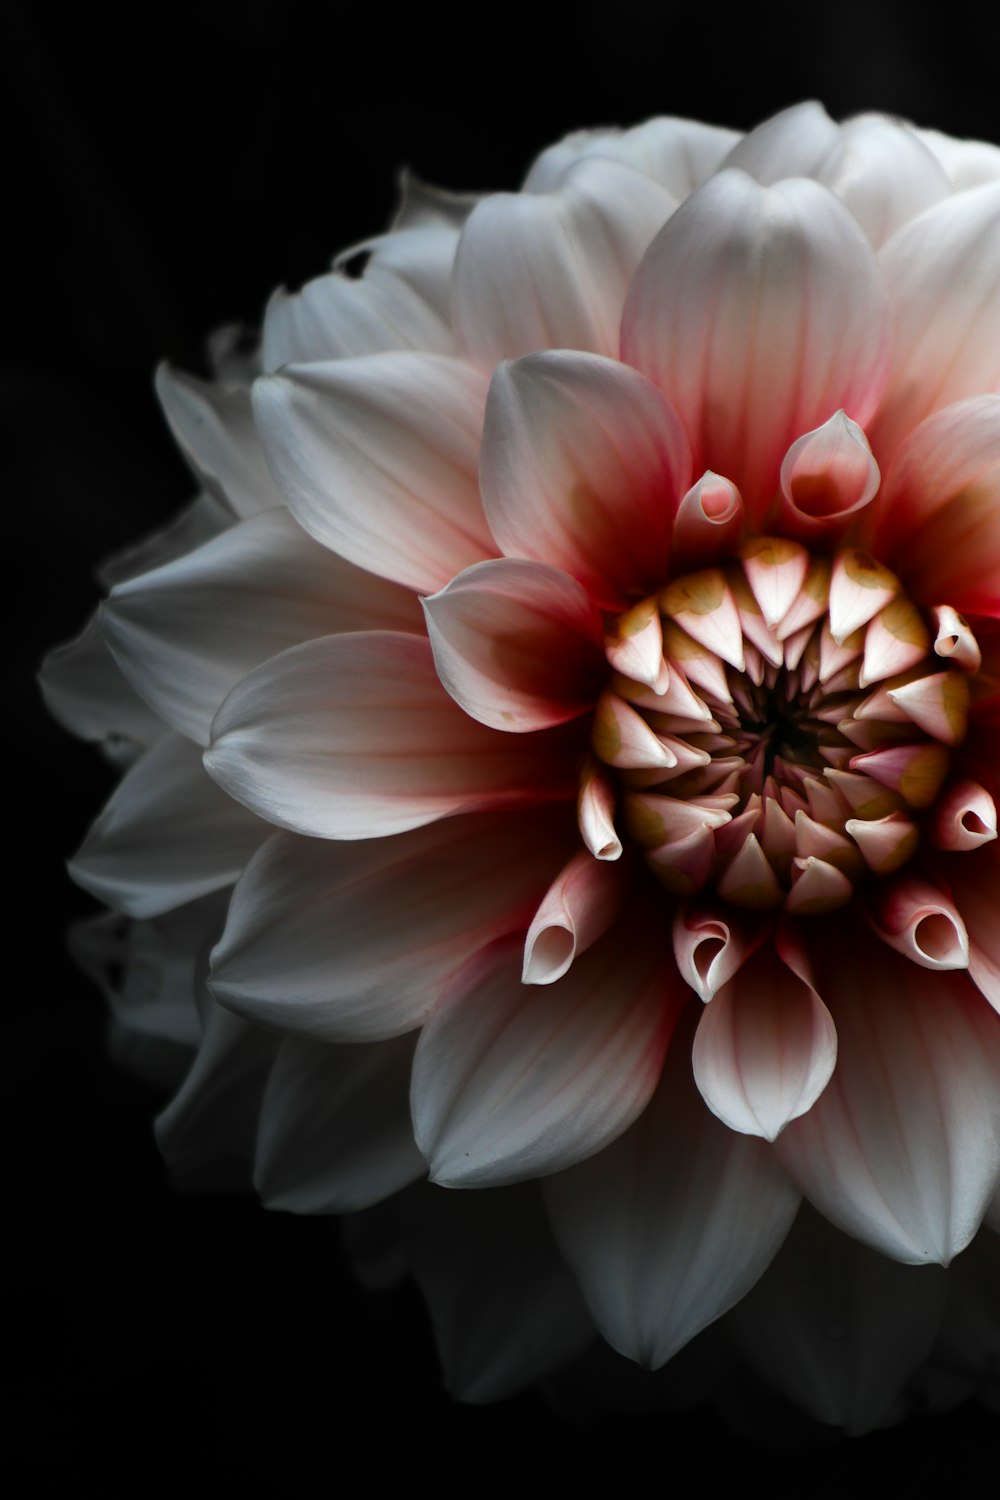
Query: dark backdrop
x=167 y=166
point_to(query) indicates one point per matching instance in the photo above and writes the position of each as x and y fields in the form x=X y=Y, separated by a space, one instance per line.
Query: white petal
x=793 y=143
x=672 y=1224
x=214 y=429
x=86 y=693
x=167 y=836
x=678 y=154
x=185 y=634
x=353 y=736
x=378 y=459
x=513 y=1081
x=884 y=174
x=334 y=1133
x=351 y=942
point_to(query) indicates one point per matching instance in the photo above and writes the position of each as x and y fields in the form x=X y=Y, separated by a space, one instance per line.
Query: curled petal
x=711 y=943
x=353 y=736
x=886 y=843
x=765 y=1048
x=377 y=459
x=708 y=522
x=826 y=477
x=902 y=1148
x=578 y=908
x=596 y=812
x=964 y=817
x=789 y=287
x=516 y=644
x=954 y=639
x=974 y=878
x=513 y=1081
x=581 y=466
x=921 y=922
x=648 y=1225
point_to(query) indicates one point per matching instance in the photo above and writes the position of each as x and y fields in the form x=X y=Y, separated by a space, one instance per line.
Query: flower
x=568 y=715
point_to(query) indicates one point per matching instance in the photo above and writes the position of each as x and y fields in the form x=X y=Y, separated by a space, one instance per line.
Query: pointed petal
x=513 y=1081
x=702 y=605
x=581 y=466
x=885 y=843
x=827 y=476
x=974 y=878
x=516 y=644
x=712 y=942
x=859 y=588
x=577 y=909
x=708 y=523
x=352 y=942
x=377 y=458
x=789 y=287
x=776 y=570
x=648 y=1225
x=186 y=633
x=85 y=692
x=167 y=836
x=550 y=270
x=213 y=426
x=765 y=1048
x=915 y=771
x=334 y=1133
x=353 y=736
x=902 y=1148
x=939 y=705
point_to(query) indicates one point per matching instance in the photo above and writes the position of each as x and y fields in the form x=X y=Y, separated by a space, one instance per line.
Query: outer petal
x=758 y=312
x=351 y=942
x=765 y=1048
x=672 y=1224
x=213 y=427
x=884 y=174
x=87 y=694
x=167 y=836
x=793 y=143
x=186 y=633
x=903 y=1147
x=974 y=879
x=943 y=275
x=678 y=154
x=505 y=1309
x=353 y=736
x=334 y=1134
x=939 y=513
x=377 y=457
x=550 y=270
x=517 y=644
x=583 y=465
x=512 y=1081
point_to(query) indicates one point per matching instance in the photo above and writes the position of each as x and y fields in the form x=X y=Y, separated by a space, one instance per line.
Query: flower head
x=589 y=631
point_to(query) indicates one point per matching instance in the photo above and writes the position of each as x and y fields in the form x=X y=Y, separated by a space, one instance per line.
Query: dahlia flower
x=559 y=751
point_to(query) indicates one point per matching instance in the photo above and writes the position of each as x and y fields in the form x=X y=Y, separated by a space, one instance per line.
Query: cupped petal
x=517 y=644
x=938 y=520
x=512 y=1081
x=582 y=466
x=943 y=277
x=334 y=1134
x=765 y=1048
x=902 y=1149
x=711 y=943
x=884 y=173
x=351 y=942
x=964 y=817
x=167 y=836
x=673 y=1223
x=578 y=908
x=353 y=737
x=377 y=457
x=214 y=428
x=758 y=312
x=550 y=270
x=186 y=633
x=826 y=477
x=678 y=154
x=85 y=692
x=793 y=143
x=921 y=921
x=505 y=1308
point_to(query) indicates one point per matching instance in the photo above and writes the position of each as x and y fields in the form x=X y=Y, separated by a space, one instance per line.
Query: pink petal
x=903 y=1147
x=353 y=736
x=765 y=1048
x=826 y=477
x=550 y=270
x=581 y=466
x=920 y=921
x=334 y=1133
x=708 y=523
x=793 y=143
x=939 y=512
x=577 y=909
x=186 y=633
x=789 y=287
x=516 y=644
x=711 y=942
x=352 y=942
x=377 y=458
x=673 y=1223
x=974 y=879
x=167 y=836
x=941 y=271
x=512 y=1081
x=964 y=817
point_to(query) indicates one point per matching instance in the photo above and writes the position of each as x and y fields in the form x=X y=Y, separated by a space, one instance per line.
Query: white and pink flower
x=589 y=627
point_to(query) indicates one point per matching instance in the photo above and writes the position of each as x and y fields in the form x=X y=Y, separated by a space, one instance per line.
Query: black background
x=167 y=166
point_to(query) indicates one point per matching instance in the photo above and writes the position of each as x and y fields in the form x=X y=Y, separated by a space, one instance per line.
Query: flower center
x=778 y=728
